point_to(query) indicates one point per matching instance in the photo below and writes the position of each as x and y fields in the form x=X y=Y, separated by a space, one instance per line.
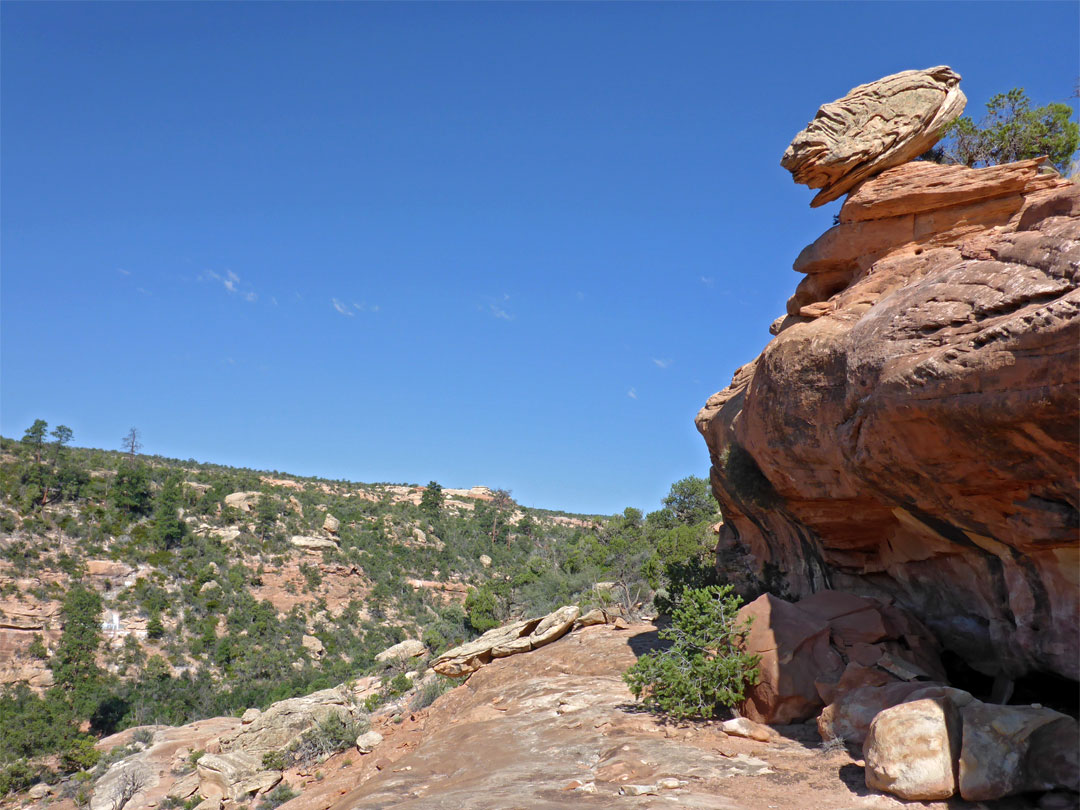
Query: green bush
x=706 y=667
x=279 y=795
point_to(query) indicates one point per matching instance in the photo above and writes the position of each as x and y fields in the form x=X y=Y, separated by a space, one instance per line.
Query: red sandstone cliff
x=912 y=429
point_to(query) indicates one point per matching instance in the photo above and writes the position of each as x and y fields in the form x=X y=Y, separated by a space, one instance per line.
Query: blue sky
x=516 y=245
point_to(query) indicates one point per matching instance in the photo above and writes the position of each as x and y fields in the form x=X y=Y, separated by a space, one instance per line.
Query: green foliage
x=74 y=665
x=274 y=760
x=279 y=795
x=705 y=668
x=430 y=691
x=399 y=685
x=1013 y=130
x=168 y=529
x=80 y=755
x=431 y=502
x=332 y=734
x=691 y=501
x=130 y=491
x=480 y=607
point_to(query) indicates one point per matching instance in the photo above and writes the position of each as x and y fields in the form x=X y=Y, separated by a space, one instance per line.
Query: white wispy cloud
x=706 y=280
x=231 y=282
x=661 y=363
x=123 y=272
x=352 y=309
x=632 y=393
x=497 y=308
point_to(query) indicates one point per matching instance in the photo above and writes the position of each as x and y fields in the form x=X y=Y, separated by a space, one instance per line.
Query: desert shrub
x=274 y=761
x=332 y=734
x=705 y=668
x=279 y=795
x=431 y=690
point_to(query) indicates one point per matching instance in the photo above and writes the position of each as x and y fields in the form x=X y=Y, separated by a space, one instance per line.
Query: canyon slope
x=911 y=431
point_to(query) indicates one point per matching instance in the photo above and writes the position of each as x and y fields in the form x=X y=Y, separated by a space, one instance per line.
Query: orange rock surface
x=912 y=430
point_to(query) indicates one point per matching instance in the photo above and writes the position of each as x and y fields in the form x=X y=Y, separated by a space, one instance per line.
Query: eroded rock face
x=827 y=645
x=874 y=127
x=911 y=431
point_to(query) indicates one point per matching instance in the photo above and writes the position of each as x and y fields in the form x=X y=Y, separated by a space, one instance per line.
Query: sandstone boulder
x=849 y=718
x=244 y=501
x=795 y=652
x=1015 y=749
x=745 y=727
x=331 y=524
x=554 y=626
x=286 y=720
x=874 y=127
x=234 y=776
x=368 y=741
x=313 y=646
x=911 y=750
x=409 y=648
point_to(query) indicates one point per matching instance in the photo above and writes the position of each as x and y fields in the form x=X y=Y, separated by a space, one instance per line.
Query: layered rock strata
x=874 y=127
x=911 y=432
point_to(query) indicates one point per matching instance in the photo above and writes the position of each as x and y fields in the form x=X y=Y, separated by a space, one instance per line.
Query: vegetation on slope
x=216 y=609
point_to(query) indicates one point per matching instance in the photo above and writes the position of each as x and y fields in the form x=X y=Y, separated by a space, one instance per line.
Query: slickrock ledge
x=874 y=127
x=911 y=431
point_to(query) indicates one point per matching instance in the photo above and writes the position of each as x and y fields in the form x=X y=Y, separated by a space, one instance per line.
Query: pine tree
x=74 y=665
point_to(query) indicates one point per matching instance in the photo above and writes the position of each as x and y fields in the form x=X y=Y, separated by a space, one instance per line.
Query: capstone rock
x=874 y=127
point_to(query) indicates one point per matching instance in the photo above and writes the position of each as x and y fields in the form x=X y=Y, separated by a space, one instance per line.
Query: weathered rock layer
x=912 y=430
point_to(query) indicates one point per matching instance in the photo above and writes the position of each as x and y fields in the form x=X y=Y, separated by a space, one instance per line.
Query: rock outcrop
x=501 y=642
x=942 y=741
x=286 y=720
x=874 y=127
x=911 y=431
x=827 y=645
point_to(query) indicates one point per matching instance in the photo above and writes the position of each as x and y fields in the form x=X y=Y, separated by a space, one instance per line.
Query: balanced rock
x=331 y=524
x=910 y=750
x=874 y=127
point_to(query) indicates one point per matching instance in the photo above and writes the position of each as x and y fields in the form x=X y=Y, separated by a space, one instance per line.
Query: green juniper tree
x=1012 y=130
x=74 y=665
